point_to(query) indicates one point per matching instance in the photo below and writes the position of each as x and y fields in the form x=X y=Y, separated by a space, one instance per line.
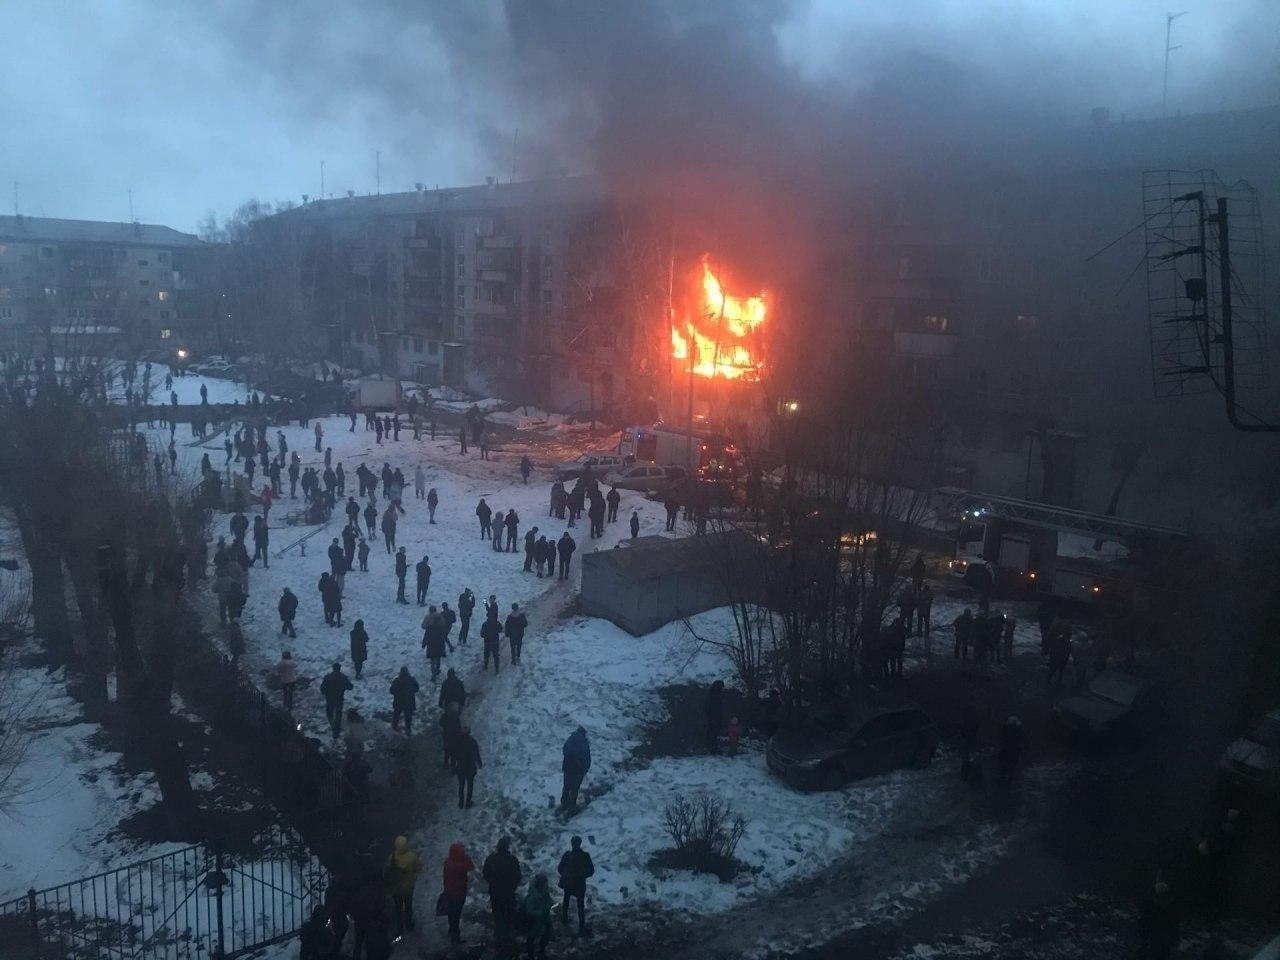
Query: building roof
x=21 y=228
x=558 y=191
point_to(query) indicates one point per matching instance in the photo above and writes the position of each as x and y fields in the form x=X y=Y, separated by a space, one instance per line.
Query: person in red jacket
x=456 y=868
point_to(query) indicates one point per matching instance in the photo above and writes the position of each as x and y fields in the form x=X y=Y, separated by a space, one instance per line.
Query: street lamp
x=182 y=353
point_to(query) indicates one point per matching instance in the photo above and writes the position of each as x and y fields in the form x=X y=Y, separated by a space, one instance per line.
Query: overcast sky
x=199 y=105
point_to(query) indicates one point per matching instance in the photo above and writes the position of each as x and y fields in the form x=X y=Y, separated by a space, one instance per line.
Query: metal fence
x=198 y=903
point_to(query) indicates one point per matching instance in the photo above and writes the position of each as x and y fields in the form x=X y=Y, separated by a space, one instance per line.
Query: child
x=732 y=734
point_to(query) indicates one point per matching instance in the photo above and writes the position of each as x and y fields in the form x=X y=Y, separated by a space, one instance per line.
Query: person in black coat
x=512 y=523
x=334 y=688
x=484 y=513
x=565 y=547
x=635 y=524
x=402 y=570
x=288 y=608
x=466 y=763
x=612 y=499
x=423 y=570
x=490 y=634
x=404 y=700
x=350 y=536
x=514 y=628
x=452 y=691
x=575 y=870
x=466 y=607
x=530 y=545
x=359 y=647
x=502 y=872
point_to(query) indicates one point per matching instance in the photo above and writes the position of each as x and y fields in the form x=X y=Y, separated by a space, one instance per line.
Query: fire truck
x=709 y=455
x=1030 y=549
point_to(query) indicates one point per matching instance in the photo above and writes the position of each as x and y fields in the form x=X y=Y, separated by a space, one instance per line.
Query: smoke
x=728 y=112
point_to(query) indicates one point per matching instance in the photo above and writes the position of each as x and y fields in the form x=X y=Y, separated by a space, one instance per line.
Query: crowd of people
x=373 y=901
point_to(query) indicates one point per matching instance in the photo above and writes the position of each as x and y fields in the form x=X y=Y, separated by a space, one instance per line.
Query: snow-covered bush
x=705 y=831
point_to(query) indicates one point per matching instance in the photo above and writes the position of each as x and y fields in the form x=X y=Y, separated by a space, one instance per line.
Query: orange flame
x=731 y=319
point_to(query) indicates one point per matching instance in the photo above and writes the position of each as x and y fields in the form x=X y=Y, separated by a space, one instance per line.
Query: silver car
x=600 y=464
x=644 y=476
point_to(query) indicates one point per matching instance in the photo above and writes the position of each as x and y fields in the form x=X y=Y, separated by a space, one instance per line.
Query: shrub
x=705 y=831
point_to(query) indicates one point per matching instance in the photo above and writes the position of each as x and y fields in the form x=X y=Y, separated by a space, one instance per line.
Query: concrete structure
x=651 y=581
x=120 y=286
x=502 y=287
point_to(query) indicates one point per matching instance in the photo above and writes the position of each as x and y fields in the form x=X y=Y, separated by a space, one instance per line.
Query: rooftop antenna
x=1168 y=49
x=15 y=199
x=377 y=171
x=131 y=217
x=321 y=179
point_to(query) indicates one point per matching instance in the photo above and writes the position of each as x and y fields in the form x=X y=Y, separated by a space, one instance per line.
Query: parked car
x=836 y=745
x=644 y=476
x=600 y=464
x=1113 y=702
x=1253 y=761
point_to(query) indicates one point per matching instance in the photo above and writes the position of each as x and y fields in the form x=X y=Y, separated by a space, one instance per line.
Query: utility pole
x=131 y=204
x=1168 y=49
x=377 y=171
x=15 y=198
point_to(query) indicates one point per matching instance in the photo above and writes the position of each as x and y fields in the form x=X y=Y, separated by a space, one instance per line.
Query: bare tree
x=840 y=514
x=15 y=701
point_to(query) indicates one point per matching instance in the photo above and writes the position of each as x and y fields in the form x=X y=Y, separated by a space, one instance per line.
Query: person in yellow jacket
x=403 y=867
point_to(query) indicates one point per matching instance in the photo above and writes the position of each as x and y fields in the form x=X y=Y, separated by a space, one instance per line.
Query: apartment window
x=162 y=257
x=936 y=323
x=404 y=344
x=461 y=324
x=475 y=291
x=144 y=263
x=164 y=314
x=462 y=266
x=144 y=283
x=546 y=297
x=50 y=291
x=417 y=344
x=462 y=294
x=6 y=313
x=144 y=303
x=433 y=348
x=165 y=333
x=162 y=295
x=904 y=268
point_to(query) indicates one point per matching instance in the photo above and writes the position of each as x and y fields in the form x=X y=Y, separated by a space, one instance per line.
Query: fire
x=732 y=320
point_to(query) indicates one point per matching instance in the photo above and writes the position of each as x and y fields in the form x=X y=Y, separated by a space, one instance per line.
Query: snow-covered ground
x=459 y=559
x=576 y=670
x=68 y=793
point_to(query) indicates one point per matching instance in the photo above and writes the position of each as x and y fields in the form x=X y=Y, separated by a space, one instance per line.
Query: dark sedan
x=835 y=746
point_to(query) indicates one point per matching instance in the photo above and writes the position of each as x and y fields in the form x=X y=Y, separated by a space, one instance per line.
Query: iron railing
x=197 y=903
